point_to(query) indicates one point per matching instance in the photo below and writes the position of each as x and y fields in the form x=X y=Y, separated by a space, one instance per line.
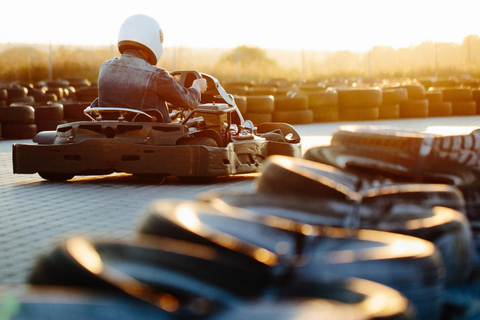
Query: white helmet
x=142 y=32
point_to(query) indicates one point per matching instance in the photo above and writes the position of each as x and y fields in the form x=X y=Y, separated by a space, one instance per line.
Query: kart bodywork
x=209 y=141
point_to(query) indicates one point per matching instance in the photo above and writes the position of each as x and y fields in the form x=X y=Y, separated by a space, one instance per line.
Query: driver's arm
x=170 y=91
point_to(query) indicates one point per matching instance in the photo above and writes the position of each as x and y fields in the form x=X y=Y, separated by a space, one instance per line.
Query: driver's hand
x=200 y=85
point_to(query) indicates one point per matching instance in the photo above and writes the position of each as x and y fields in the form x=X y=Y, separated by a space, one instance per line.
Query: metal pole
x=237 y=64
x=436 y=60
x=50 y=62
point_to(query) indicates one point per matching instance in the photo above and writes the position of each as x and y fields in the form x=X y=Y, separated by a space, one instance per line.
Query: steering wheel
x=186 y=77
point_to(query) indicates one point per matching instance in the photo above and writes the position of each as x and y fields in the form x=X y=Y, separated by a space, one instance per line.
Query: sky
x=332 y=25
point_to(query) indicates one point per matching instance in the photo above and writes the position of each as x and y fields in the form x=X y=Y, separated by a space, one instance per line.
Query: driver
x=134 y=81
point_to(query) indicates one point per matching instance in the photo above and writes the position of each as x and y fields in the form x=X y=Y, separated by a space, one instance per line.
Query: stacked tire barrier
x=396 y=156
x=310 y=236
x=26 y=109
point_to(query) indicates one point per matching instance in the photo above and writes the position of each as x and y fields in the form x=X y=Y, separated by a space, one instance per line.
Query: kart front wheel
x=52 y=176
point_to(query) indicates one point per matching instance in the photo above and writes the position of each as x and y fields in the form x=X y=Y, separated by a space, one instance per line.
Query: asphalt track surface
x=36 y=214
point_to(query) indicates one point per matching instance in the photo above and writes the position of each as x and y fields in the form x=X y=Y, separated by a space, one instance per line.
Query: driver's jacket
x=131 y=82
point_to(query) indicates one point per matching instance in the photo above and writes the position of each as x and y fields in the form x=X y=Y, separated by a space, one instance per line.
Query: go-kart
x=198 y=145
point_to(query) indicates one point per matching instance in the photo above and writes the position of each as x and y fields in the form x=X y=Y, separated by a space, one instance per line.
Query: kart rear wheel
x=53 y=176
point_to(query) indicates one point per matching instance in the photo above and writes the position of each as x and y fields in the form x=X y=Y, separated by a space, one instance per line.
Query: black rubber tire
x=434 y=96
x=241 y=102
x=261 y=91
x=325 y=113
x=74 y=110
x=87 y=94
x=239 y=233
x=457 y=94
x=49 y=112
x=290 y=103
x=19 y=130
x=464 y=108
x=258 y=118
x=360 y=114
x=321 y=99
x=439 y=109
x=55 y=176
x=45 y=98
x=359 y=98
x=27 y=99
x=462 y=149
x=293 y=117
x=17 y=115
x=386 y=111
x=394 y=96
x=184 y=270
x=38 y=302
x=414 y=109
x=415 y=91
x=260 y=104
x=3 y=94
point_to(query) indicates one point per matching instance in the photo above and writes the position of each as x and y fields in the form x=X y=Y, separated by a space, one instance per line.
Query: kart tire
x=360 y=114
x=414 y=109
x=389 y=111
x=49 y=112
x=74 y=110
x=55 y=176
x=359 y=99
x=439 y=109
x=260 y=104
x=290 y=103
x=293 y=117
x=394 y=96
x=464 y=108
x=17 y=115
x=18 y=130
x=49 y=125
x=258 y=118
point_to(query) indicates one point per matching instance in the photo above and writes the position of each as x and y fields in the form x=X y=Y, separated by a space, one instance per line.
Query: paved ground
x=36 y=214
